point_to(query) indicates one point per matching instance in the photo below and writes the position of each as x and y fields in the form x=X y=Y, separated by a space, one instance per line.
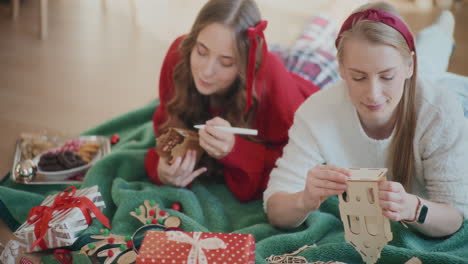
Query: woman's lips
x=374 y=107
x=203 y=83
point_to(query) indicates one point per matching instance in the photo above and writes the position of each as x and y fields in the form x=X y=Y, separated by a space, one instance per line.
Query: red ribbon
x=377 y=15
x=253 y=33
x=42 y=215
x=64 y=256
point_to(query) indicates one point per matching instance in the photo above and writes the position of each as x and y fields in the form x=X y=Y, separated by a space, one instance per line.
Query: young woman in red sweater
x=221 y=74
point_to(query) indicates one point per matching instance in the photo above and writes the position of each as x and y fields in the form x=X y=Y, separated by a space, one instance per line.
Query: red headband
x=378 y=16
x=252 y=34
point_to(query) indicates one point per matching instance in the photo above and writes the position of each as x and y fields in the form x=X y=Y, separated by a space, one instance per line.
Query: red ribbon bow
x=253 y=33
x=64 y=256
x=377 y=15
x=42 y=215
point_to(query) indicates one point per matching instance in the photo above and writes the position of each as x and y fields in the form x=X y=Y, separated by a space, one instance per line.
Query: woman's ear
x=411 y=65
x=341 y=70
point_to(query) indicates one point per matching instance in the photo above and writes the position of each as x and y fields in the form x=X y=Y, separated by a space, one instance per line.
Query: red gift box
x=175 y=247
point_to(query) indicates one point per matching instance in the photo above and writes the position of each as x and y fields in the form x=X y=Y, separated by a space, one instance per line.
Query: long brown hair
x=402 y=152
x=188 y=107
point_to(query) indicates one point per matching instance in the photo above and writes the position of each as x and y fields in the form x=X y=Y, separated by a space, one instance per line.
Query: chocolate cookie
x=49 y=162
x=52 y=167
x=70 y=160
x=50 y=157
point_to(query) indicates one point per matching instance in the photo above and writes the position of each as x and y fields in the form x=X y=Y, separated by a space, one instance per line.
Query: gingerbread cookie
x=176 y=142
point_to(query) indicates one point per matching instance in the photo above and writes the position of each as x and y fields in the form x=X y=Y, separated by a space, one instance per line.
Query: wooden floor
x=102 y=58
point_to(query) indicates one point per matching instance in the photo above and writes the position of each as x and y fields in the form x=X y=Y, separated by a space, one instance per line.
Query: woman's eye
x=387 y=78
x=201 y=51
x=357 y=79
x=227 y=63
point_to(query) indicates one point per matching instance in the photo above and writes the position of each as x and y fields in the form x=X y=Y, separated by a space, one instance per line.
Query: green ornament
x=106 y=231
x=138 y=211
x=123 y=247
x=91 y=246
x=152 y=202
x=128 y=238
x=161 y=221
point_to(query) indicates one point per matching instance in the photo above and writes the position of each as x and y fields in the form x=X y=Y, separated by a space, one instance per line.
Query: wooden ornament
x=172 y=221
x=127 y=257
x=111 y=254
x=147 y=212
x=289 y=258
x=366 y=229
x=104 y=240
x=176 y=142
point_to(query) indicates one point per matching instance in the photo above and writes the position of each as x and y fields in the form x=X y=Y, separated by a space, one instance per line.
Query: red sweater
x=248 y=165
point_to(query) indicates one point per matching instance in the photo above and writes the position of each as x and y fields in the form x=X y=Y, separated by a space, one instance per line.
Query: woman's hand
x=218 y=144
x=181 y=173
x=323 y=181
x=395 y=202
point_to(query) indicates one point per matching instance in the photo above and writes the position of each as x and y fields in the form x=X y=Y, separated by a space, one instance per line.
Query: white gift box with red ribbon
x=65 y=225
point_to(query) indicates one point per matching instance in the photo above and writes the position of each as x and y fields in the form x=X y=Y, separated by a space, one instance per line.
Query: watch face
x=423 y=214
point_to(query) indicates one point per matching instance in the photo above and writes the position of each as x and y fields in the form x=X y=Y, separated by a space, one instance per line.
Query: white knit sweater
x=327 y=130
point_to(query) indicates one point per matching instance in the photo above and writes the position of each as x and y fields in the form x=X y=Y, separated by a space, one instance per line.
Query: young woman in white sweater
x=379 y=116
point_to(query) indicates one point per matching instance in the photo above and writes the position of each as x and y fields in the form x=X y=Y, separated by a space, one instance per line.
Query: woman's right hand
x=181 y=173
x=323 y=181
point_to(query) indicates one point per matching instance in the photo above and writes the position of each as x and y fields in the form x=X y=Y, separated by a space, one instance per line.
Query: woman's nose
x=209 y=68
x=374 y=90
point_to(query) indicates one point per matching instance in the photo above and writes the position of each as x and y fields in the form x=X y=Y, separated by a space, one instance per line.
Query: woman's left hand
x=218 y=144
x=395 y=202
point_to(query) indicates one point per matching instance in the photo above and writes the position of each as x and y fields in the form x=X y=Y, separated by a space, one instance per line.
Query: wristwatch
x=422 y=214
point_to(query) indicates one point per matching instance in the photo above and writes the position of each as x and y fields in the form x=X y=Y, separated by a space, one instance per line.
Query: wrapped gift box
x=196 y=248
x=65 y=225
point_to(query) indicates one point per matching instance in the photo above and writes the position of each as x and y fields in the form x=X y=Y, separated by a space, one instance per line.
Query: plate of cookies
x=72 y=157
x=58 y=160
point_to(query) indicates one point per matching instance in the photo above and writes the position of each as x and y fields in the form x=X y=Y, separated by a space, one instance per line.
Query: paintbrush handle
x=233 y=130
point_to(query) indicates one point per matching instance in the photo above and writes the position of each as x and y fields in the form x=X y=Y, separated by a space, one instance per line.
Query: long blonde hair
x=402 y=152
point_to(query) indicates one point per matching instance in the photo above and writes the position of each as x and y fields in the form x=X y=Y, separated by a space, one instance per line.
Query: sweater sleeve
x=444 y=156
x=299 y=155
x=166 y=88
x=248 y=166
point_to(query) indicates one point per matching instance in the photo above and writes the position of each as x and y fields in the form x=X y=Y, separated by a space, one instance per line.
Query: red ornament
x=129 y=244
x=110 y=253
x=151 y=212
x=154 y=221
x=111 y=240
x=162 y=213
x=114 y=139
x=176 y=206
